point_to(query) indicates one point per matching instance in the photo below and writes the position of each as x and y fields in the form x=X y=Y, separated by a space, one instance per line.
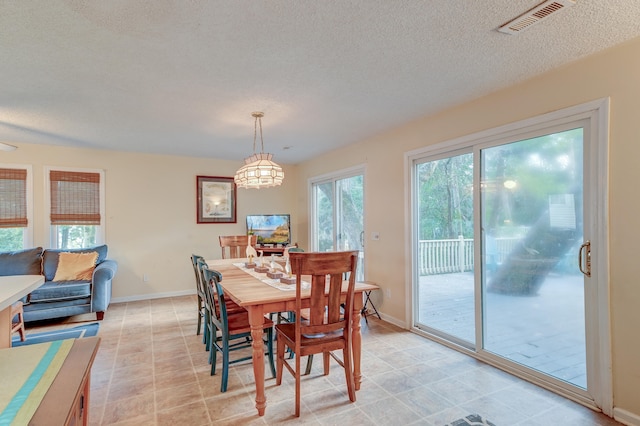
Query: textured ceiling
x=182 y=77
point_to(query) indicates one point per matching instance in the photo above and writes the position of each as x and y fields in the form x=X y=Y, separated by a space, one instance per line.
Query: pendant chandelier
x=258 y=170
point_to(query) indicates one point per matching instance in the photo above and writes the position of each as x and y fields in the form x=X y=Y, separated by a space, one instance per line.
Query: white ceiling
x=182 y=77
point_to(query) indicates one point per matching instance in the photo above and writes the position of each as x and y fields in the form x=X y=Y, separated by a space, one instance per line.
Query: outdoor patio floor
x=544 y=331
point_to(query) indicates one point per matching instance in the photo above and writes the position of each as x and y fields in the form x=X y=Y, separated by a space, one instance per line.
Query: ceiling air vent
x=535 y=15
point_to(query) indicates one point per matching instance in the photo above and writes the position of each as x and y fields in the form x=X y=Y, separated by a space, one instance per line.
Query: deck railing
x=456 y=255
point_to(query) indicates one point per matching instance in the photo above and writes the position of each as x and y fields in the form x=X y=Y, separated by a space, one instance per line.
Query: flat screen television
x=270 y=228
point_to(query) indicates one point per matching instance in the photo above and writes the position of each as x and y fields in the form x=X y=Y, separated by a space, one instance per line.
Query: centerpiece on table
x=261 y=268
x=288 y=278
x=274 y=268
x=251 y=254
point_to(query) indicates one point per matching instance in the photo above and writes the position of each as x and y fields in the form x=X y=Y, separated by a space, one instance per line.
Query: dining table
x=260 y=295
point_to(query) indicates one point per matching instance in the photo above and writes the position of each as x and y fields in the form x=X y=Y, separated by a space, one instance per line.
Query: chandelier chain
x=258 y=116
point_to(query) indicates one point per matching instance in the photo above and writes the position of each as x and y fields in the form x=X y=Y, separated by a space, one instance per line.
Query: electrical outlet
x=388 y=293
x=145 y=278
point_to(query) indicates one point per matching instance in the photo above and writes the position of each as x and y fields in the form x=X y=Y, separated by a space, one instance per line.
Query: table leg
x=86 y=402
x=356 y=339
x=256 y=321
x=5 y=328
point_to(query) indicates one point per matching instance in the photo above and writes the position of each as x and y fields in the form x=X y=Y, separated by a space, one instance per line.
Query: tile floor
x=152 y=369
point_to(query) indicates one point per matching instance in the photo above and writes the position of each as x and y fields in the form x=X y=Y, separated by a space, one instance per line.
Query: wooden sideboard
x=66 y=401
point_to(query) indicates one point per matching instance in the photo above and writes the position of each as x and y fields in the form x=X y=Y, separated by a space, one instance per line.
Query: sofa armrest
x=101 y=285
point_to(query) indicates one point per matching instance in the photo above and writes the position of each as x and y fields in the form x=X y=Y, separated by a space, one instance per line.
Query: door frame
x=596 y=189
x=356 y=170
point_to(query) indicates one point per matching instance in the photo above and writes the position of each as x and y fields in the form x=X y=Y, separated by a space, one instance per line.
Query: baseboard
x=152 y=296
x=626 y=417
x=393 y=320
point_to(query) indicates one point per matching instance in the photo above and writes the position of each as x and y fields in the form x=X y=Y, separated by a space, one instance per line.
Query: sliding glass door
x=445 y=296
x=531 y=219
x=338 y=214
x=531 y=212
x=502 y=255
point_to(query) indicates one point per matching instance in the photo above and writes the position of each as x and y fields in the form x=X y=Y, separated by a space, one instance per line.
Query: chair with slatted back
x=199 y=292
x=327 y=327
x=232 y=307
x=235 y=246
x=289 y=316
x=230 y=332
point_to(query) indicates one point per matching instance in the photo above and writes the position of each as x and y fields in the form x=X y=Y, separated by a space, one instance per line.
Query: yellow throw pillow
x=75 y=266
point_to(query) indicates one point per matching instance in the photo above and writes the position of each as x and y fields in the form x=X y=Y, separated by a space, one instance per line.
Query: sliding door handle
x=585 y=253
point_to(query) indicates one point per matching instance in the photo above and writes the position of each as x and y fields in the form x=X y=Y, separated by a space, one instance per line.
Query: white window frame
x=27 y=235
x=333 y=177
x=52 y=230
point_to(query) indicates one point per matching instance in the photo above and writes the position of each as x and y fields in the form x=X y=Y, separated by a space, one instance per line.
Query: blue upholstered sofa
x=55 y=299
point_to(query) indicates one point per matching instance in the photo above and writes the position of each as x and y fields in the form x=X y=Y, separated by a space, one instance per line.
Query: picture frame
x=216 y=199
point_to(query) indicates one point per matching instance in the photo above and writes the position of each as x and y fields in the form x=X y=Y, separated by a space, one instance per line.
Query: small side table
x=367 y=302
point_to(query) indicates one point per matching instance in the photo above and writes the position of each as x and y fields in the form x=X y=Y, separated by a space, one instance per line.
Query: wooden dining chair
x=289 y=316
x=326 y=326
x=232 y=307
x=235 y=246
x=209 y=305
x=230 y=332
x=199 y=291
x=17 y=320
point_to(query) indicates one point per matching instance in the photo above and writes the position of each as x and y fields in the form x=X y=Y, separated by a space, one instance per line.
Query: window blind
x=75 y=198
x=13 y=198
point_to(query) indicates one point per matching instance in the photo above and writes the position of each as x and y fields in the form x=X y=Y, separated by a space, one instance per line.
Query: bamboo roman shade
x=75 y=198
x=13 y=198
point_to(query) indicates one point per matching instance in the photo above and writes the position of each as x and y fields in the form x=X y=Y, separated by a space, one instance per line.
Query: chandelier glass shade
x=258 y=170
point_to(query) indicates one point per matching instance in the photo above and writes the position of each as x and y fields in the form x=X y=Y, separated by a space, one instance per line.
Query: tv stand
x=268 y=251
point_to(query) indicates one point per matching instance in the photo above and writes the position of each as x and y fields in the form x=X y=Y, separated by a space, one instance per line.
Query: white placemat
x=275 y=283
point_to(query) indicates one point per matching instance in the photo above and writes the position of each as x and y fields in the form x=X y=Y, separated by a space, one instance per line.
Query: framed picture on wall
x=216 y=199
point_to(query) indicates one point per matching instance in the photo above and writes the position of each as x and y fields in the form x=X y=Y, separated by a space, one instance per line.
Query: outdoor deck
x=544 y=331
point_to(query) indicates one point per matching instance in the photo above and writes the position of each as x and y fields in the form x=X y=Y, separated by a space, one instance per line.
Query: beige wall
x=615 y=73
x=151 y=212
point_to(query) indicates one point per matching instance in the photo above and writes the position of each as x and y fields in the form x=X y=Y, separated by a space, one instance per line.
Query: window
x=76 y=204
x=15 y=208
x=338 y=213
